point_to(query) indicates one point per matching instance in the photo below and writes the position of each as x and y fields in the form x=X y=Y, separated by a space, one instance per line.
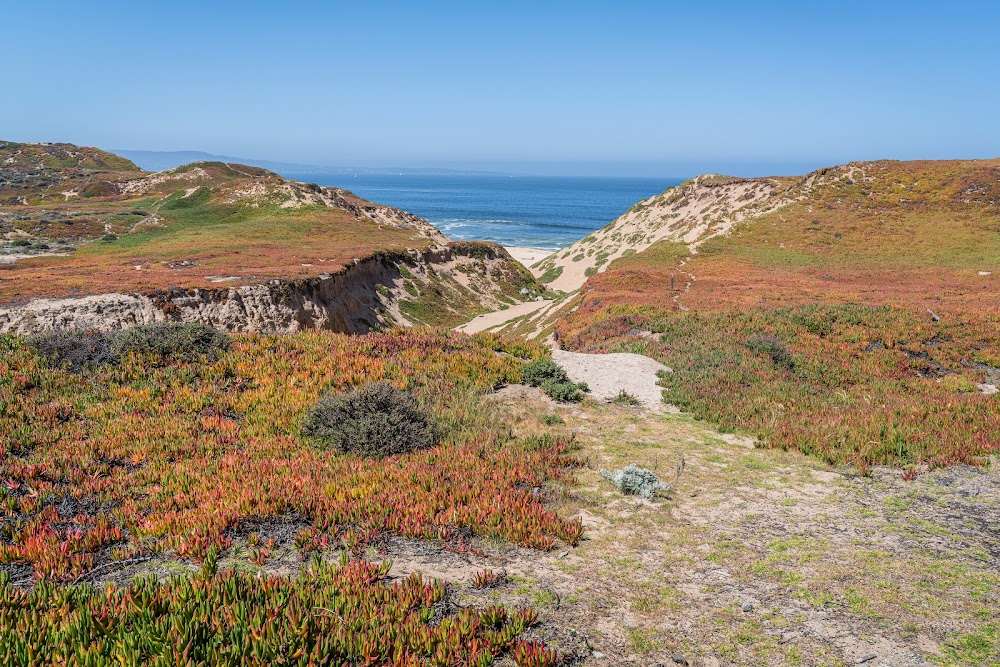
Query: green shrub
x=20 y=243
x=375 y=420
x=553 y=380
x=186 y=342
x=773 y=347
x=108 y=238
x=551 y=419
x=537 y=372
x=73 y=349
x=564 y=390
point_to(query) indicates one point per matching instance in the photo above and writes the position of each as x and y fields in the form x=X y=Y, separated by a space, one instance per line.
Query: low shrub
x=773 y=347
x=20 y=243
x=74 y=350
x=635 y=481
x=375 y=420
x=537 y=372
x=565 y=391
x=553 y=380
x=186 y=342
x=77 y=350
x=551 y=419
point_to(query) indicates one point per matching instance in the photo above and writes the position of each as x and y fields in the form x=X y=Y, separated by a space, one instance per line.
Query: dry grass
x=834 y=566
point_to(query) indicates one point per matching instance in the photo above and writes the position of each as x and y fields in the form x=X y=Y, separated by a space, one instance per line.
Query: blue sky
x=639 y=88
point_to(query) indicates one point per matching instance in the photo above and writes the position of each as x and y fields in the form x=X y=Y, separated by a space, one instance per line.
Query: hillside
x=79 y=222
x=164 y=494
x=704 y=206
x=852 y=313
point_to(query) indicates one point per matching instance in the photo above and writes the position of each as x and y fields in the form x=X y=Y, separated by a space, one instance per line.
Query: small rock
x=524 y=290
x=679 y=659
x=597 y=654
x=747 y=606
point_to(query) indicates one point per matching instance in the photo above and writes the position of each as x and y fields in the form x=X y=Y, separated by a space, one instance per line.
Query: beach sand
x=527 y=256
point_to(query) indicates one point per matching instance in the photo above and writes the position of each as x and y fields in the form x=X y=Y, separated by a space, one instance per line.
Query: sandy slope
x=500 y=317
x=704 y=207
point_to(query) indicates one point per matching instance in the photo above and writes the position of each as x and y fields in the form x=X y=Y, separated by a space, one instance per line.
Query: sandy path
x=609 y=374
x=500 y=317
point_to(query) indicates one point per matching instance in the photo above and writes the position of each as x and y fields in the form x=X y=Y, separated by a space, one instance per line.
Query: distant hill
x=234 y=245
x=852 y=313
x=32 y=167
x=162 y=160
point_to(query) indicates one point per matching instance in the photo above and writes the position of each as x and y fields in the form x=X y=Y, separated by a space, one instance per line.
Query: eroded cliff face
x=433 y=286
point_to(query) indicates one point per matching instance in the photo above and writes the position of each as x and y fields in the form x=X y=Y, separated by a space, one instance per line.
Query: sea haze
x=544 y=212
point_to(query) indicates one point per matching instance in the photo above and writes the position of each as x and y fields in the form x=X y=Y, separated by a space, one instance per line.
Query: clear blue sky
x=652 y=88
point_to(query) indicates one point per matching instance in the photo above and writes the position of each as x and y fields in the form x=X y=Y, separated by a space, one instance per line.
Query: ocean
x=527 y=211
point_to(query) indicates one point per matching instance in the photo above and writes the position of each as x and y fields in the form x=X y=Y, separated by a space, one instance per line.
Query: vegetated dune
x=91 y=240
x=853 y=313
x=704 y=206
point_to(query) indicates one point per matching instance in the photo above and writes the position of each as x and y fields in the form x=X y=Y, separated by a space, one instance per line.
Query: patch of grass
x=976 y=647
x=626 y=399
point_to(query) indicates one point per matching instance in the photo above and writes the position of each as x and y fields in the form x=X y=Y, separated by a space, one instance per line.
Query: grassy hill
x=853 y=313
x=91 y=223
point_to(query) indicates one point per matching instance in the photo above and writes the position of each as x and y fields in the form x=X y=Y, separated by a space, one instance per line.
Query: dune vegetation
x=152 y=459
x=878 y=282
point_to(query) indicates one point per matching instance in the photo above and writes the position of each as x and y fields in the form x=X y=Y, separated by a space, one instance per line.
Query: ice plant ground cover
x=876 y=285
x=155 y=458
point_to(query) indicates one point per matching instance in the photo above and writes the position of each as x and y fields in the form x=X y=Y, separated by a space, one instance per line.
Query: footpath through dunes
x=92 y=241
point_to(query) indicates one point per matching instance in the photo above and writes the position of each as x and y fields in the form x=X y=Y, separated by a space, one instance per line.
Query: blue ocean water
x=528 y=211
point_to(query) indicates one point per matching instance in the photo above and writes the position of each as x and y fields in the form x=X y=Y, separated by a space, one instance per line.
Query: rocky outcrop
x=367 y=294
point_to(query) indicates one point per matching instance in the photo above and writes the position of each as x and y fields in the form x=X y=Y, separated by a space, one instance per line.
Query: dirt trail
x=754 y=557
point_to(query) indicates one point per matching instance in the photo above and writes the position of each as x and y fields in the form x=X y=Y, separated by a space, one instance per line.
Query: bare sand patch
x=527 y=256
x=608 y=375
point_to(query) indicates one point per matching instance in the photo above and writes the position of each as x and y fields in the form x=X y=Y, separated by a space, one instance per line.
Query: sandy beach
x=527 y=256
